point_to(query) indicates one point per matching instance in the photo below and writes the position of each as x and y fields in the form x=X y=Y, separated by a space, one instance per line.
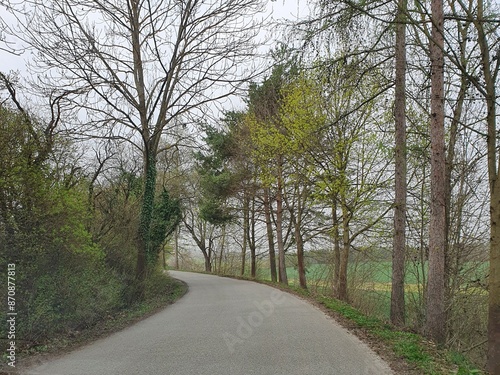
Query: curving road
x=224 y=326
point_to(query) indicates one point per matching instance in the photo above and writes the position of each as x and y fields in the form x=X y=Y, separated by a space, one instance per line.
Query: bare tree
x=6 y=32
x=203 y=234
x=144 y=66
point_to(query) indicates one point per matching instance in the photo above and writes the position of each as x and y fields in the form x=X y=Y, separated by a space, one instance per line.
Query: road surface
x=225 y=327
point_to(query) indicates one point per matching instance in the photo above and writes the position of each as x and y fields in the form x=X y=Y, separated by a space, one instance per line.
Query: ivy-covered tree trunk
x=145 y=256
x=176 y=238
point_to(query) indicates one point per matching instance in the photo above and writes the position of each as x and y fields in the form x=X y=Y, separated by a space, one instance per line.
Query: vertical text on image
x=11 y=314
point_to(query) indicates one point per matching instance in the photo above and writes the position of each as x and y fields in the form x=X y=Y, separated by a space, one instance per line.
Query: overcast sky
x=279 y=9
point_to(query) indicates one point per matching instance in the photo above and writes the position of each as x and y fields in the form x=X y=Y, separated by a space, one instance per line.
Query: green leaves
x=284 y=121
x=165 y=219
x=217 y=179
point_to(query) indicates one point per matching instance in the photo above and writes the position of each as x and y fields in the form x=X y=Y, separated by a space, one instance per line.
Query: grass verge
x=421 y=355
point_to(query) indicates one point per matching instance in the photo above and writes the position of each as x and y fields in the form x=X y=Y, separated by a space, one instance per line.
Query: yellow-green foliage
x=301 y=113
x=291 y=131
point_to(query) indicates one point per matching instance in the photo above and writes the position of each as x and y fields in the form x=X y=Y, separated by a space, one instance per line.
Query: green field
x=370 y=284
x=371 y=272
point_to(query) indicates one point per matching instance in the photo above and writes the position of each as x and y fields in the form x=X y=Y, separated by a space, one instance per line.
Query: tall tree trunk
x=208 y=250
x=344 y=255
x=208 y=262
x=176 y=238
x=223 y=242
x=494 y=285
x=490 y=78
x=452 y=254
x=493 y=172
x=399 y=241
x=336 y=252
x=435 y=326
x=145 y=257
x=252 y=242
x=164 y=258
x=279 y=232
x=270 y=237
x=424 y=249
x=297 y=222
x=201 y=240
x=300 y=256
x=245 y=234
x=149 y=154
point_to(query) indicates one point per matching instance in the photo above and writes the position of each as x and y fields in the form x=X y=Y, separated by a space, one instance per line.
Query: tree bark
x=297 y=222
x=344 y=256
x=279 y=231
x=270 y=237
x=435 y=326
x=208 y=262
x=245 y=234
x=494 y=285
x=336 y=252
x=399 y=242
x=452 y=255
x=300 y=257
x=493 y=364
x=252 y=242
x=222 y=247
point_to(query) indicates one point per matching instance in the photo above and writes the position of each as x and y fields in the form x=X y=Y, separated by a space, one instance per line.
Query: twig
x=475 y=346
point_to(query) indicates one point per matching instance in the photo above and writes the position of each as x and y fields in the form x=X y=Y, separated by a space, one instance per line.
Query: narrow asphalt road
x=224 y=326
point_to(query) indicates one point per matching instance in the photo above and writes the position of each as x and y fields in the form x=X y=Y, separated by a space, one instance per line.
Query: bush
x=62 y=281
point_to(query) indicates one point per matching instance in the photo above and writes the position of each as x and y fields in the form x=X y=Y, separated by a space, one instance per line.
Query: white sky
x=278 y=10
